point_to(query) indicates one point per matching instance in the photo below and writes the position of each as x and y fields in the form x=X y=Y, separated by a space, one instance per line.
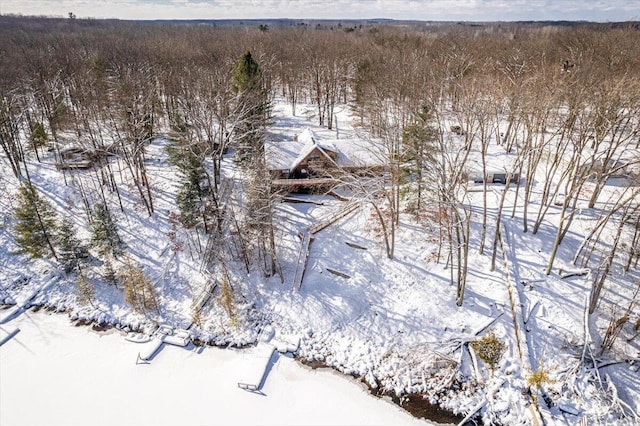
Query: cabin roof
x=309 y=137
x=350 y=153
x=306 y=151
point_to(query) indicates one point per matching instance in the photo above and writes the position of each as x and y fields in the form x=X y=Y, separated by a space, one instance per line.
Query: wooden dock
x=256 y=368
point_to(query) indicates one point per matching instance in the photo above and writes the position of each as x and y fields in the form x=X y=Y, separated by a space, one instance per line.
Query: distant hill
x=287 y=22
x=312 y=23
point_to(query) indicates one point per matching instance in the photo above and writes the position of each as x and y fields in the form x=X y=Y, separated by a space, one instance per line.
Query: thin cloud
x=451 y=10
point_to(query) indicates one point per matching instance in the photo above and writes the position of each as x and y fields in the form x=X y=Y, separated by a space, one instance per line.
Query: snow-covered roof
x=350 y=152
x=280 y=155
x=304 y=153
x=307 y=136
x=359 y=153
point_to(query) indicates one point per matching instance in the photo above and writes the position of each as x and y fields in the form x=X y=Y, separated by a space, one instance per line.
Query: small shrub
x=540 y=377
x=227 y=302
x=489 y=349
x=138 y=290
x=86 y=290
x=196 y=317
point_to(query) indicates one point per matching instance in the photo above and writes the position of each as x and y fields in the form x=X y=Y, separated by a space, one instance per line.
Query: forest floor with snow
x=393 y=323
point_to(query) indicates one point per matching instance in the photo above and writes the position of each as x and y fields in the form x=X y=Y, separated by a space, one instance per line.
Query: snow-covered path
x=55 y=374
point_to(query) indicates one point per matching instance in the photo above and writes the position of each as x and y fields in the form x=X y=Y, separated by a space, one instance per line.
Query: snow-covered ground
x=52 y=373
x=393 y=322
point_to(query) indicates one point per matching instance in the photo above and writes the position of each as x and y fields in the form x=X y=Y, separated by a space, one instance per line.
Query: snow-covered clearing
x=393 y=322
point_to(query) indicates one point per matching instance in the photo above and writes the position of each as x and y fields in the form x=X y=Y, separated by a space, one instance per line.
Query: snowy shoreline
x=413 y=404
x=181 y=386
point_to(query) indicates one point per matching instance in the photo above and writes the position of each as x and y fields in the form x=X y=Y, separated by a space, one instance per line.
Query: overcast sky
x=436 y=10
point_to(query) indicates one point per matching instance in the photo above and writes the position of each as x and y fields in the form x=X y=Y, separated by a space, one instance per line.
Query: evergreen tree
x=251 y=107
x=418 y=139
x=104 y=232
x=109 y=273
x=36 y=223
x=247 y=76
x=194 y=193
x=38 y=134
x=189 y=202
x=38 y=137
x=69 y=250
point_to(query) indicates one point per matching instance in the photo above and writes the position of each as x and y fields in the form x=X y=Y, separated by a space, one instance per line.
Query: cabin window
x=314 y=158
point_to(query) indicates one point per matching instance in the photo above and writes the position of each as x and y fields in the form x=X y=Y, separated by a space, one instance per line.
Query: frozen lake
x=52 y=373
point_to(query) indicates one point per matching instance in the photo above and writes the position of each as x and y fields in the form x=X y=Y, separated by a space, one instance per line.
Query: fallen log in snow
x=487 y=324
x=338 y=273
x=472 y=413
x=290 y=199
x=355 y=246
x=575 y=273
x=474 y=362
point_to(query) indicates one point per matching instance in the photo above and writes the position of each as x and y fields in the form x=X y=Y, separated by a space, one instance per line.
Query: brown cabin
x=313 y=162
x=75 y=158
x=306 y=162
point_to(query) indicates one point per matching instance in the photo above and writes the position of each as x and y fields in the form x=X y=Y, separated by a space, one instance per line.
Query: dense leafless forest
x=113 y=81
x=63 y=71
